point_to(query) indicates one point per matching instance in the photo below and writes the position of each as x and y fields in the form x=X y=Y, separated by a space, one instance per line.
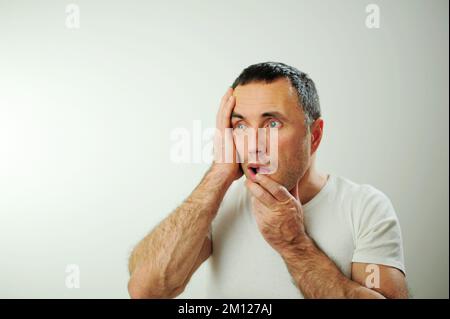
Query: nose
x=257 y=146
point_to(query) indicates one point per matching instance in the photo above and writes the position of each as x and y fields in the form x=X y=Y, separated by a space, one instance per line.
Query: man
x=288 y=232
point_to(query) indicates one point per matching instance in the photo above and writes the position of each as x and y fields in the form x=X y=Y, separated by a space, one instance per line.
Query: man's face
x=274 y=105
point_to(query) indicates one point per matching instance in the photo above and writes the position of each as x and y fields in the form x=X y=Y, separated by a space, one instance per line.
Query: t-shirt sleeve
x=377 y=232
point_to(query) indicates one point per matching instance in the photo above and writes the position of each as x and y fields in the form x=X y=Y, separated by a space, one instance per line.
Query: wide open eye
x=274 y=124
x=240 y=126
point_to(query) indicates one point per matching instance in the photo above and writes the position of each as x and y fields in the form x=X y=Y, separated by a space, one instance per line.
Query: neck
x=311 y=183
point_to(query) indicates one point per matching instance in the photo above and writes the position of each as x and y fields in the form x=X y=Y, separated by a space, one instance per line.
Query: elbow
x=140 y=289
x=135 y=291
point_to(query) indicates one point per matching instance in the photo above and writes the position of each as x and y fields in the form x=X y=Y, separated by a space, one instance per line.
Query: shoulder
x=375 y=226
x=356 y=190
x=365 y=204
x=361 y=195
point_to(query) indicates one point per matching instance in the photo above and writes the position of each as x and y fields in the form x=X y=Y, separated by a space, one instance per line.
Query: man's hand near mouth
x=279 y=216
x=278 y=212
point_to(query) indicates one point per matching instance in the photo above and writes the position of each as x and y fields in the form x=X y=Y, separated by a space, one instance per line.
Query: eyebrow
x=265 y=114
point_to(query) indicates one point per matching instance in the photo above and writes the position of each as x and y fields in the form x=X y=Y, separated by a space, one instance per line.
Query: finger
x=261 y=194
x=228 y=109
x=223 y=101
x=225 y=113
x=225 y=97
x=229 y=146
x=276 y=190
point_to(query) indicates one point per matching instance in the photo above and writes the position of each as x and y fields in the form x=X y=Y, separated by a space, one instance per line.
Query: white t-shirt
x=349 y=223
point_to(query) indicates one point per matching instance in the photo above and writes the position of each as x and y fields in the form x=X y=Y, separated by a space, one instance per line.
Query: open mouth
x=254 y=169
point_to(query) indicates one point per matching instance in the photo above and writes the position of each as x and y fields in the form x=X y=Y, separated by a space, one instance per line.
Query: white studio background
x=86 y=113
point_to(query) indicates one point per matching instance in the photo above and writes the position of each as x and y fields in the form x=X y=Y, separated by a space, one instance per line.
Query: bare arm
x=279 y=216
x=163 y=262
x=318 y=277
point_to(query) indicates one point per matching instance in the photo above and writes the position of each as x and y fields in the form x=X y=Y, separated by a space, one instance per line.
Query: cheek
x=279 y=153
x=287 y=146
x=292 y=153
x=240 y=146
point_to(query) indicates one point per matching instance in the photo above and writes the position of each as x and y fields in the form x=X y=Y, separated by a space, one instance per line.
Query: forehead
x=259 y=96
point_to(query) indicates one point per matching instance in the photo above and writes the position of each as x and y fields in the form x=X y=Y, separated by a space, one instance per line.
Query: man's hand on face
x=278 y=213
x=225 y=155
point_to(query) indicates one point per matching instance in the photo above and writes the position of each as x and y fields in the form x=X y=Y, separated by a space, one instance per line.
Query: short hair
x=268 y=72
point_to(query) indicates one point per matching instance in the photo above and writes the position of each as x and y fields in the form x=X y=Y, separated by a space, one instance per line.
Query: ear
x=316 y=131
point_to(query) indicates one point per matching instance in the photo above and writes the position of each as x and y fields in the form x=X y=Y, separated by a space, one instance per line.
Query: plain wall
x=86 y=116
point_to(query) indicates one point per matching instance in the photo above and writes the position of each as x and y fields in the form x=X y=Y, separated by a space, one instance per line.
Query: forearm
x=318 y=277
x=163 y=260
